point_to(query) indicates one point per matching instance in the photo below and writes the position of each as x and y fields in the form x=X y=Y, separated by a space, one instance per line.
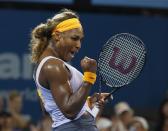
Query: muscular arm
x=57 y=76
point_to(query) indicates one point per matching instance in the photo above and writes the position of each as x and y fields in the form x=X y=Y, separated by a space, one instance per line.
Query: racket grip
x=109 y=96
x=95 y=110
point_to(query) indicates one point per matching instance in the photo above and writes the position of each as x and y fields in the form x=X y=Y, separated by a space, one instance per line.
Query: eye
x=75 y=38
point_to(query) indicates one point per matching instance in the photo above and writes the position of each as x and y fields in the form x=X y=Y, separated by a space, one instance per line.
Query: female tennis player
x=63 y=90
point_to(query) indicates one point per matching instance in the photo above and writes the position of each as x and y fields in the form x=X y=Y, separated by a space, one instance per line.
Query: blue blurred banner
x=133 y=3
x=16 y=70
x=42 y=1
x=128 y=3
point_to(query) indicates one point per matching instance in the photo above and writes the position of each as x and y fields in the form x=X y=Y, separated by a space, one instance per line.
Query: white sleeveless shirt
x=47 y=98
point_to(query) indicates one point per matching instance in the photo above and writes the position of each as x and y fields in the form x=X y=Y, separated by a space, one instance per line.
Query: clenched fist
x=89 y=65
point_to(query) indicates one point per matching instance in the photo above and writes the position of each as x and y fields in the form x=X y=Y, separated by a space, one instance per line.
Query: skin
x=15 y=106
x=165 y=109
x=1 y=104
x=55 y=75
x=165 y=125
x=126 y=118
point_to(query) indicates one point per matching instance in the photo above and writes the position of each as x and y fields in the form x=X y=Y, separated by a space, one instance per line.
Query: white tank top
x=47 y=98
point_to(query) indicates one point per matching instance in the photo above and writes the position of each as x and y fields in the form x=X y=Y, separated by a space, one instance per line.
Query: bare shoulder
x=55 y=69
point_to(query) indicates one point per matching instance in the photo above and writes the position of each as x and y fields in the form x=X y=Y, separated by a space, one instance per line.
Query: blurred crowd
x=12 y=118
x=124 y=118
x=121 y=118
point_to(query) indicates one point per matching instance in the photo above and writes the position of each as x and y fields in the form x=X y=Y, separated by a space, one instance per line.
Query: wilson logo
x=121 y=65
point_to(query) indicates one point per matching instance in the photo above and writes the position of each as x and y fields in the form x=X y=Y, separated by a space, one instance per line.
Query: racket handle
x=112 y=92
x=95 y=110
x=110 y=96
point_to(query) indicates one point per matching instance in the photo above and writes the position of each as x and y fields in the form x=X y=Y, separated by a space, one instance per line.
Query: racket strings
x=133 y=48
x=129 y=46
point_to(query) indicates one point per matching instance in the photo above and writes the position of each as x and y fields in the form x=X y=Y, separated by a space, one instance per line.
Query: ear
x=56 y=36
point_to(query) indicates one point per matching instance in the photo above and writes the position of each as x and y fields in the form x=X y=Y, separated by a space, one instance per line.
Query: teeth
x=72 y=55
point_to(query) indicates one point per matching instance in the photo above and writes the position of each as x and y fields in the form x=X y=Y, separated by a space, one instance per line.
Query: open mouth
x=72 y=53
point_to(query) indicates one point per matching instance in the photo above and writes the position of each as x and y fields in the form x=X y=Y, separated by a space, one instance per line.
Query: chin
x=67 y=60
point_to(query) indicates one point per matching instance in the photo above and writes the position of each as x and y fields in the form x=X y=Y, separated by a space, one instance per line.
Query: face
x=68 y=43
x=17 y=104
x=165 y=109
x=127 y=118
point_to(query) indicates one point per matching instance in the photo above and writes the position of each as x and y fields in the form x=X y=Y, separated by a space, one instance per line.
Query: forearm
x=78 y=99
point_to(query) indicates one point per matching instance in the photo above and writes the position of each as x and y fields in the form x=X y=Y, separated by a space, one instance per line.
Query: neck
x=49 y=51
x=53 y=48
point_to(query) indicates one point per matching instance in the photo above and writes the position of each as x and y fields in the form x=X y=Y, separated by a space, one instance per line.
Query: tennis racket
x=120 y=62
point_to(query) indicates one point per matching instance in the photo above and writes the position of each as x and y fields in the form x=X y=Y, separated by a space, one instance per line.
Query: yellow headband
x=67 y=25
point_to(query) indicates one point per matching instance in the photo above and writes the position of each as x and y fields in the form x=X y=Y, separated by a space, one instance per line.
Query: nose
x=78 y=44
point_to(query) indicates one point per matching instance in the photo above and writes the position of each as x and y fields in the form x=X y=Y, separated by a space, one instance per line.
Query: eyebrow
x=78 y=36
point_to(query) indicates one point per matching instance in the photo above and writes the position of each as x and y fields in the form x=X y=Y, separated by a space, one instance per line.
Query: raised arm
x=58 y=77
